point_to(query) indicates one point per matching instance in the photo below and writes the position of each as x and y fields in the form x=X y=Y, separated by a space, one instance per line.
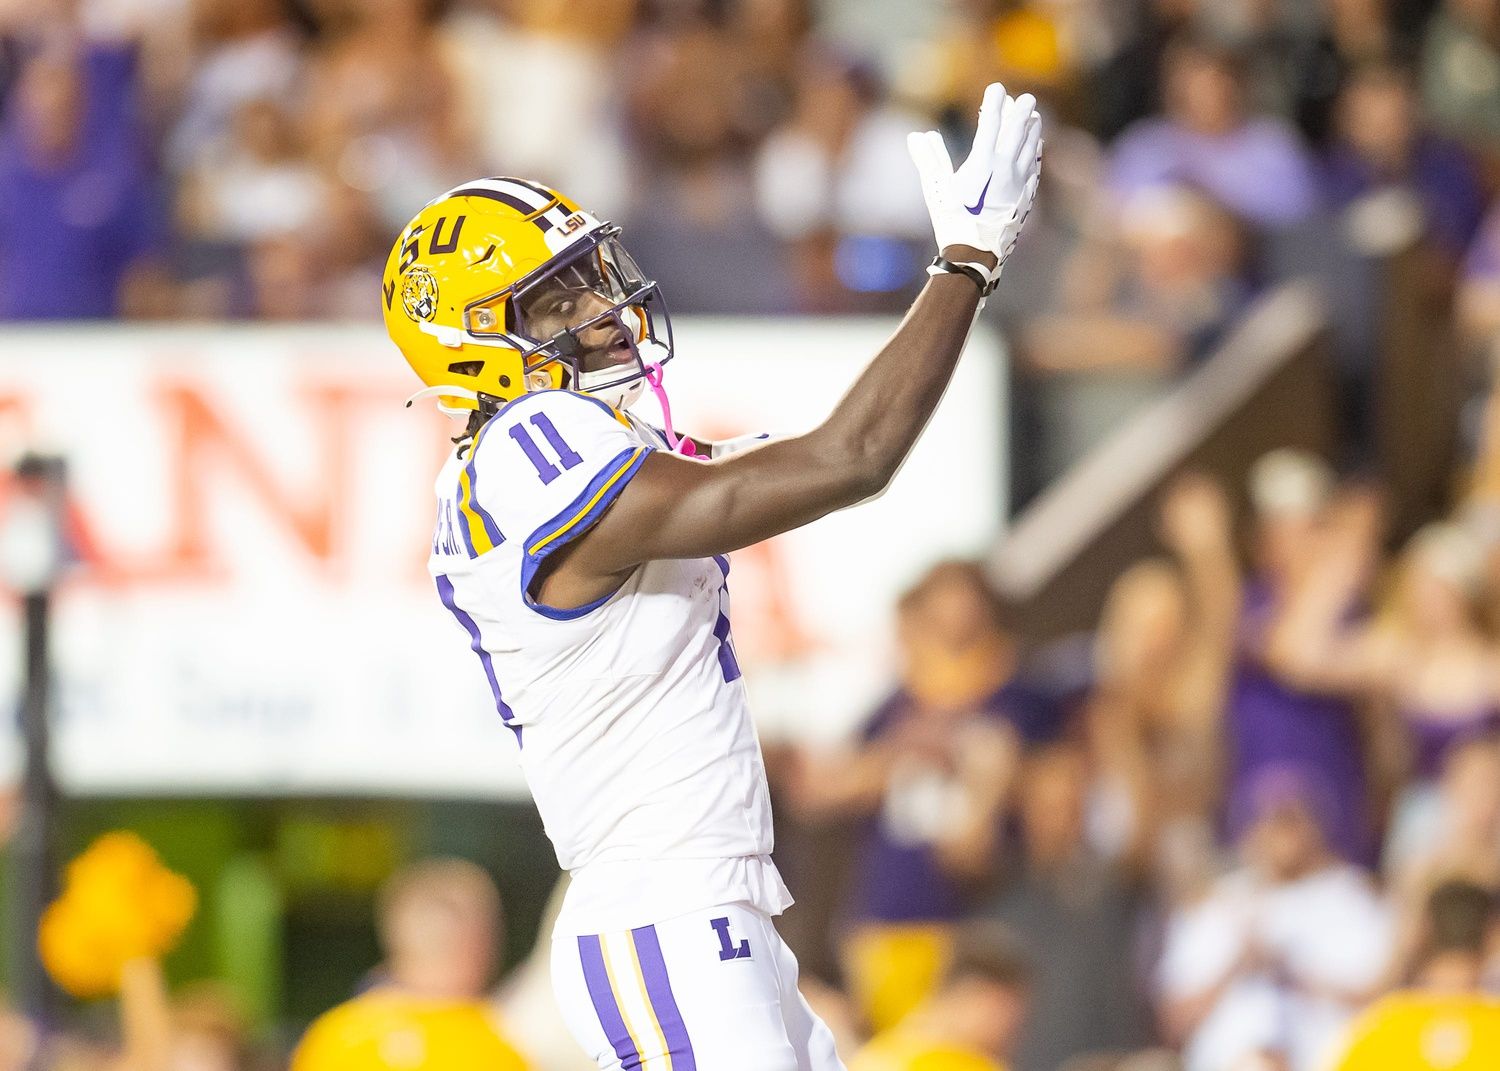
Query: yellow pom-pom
x=119 y=903
x=1028 y=43
x=66 y=942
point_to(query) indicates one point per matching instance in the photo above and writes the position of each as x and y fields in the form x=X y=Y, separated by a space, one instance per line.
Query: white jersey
x=635 y=737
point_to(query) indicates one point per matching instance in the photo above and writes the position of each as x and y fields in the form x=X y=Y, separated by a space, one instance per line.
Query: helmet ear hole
x=466 y=368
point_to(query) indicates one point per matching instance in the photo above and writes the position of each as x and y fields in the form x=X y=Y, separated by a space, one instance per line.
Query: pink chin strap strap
x=685 y=447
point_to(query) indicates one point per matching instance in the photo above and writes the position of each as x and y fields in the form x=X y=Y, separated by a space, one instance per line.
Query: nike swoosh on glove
x=984 y=203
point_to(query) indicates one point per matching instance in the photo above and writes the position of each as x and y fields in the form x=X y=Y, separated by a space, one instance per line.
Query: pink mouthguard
x=685 y=447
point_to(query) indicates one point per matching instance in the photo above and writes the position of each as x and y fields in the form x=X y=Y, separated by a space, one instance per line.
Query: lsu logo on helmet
x=419 y=293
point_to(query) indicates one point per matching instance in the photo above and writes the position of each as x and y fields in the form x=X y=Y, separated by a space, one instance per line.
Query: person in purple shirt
x=928 y=781
x=1379 y=144
x=1287 y=707
x=1254 y=165
x=77 y=209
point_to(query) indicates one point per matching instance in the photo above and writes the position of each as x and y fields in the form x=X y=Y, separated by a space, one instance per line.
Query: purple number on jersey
x=566 y=455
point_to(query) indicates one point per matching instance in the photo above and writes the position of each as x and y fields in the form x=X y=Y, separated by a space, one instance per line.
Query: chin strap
x=441 y=392
x=685 y=447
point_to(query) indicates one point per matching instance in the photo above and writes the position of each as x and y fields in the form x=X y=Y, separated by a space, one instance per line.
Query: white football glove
x=985 y=202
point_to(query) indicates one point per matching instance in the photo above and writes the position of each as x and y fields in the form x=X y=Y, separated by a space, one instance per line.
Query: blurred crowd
x=251 y=159
x=1250 y=820
x=1262 y=794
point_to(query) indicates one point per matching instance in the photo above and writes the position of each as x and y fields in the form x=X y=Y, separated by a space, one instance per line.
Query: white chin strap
x=622 y=395
x=440 y=392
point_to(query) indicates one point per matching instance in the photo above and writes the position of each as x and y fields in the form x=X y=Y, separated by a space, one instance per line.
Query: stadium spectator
x=1434 y=661
x=257 y=183
x=18 y=1040
x=78 y=211
x=930 y=776
x=691 y=131
x=970 y=1022
x=1478 y=301
x=1461 y=72
x=208 y=1033
x=1162 y=301
x=1445 y=1021
x=834 y=182
x=1075 y=913
x=973 y=44
x=1275 y=960
x=1161 y=657
x=393 y=137
x=1380 y=146
x=439 y=928
x=241 y=52
x=1314 y=557
x=1426 y=662
x=499 y=51
x=352 y=250
x=1456 y=837
x=1312 y=49
x=1132 y=310
x=1256 y=166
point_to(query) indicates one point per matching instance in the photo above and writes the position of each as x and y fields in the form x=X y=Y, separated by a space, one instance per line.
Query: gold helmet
x=500 y=278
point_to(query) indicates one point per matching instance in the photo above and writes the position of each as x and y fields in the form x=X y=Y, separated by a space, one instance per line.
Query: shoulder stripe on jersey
x=481 y=533
x=583 y=511
x=624 y=463
x=445 y=592
x=463 y=525
x=596 y=976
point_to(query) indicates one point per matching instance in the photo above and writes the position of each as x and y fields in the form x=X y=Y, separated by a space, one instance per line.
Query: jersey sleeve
x=544 y=470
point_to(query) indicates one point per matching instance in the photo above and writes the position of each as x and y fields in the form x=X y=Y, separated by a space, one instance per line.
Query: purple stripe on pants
x=663 y=1004
x=597 y=980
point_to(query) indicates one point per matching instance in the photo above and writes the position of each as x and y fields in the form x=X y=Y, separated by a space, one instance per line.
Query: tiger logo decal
x=419 y=293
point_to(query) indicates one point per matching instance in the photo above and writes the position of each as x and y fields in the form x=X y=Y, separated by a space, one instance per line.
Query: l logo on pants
x=727 y=948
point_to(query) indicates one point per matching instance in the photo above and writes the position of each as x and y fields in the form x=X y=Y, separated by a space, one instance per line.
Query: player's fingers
x=929 y=154
x=991 y=109
x=1031 y=149
x=1012 y=134
x=918 y=152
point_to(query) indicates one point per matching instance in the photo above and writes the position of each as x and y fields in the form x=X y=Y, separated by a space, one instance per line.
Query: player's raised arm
x=677 y=508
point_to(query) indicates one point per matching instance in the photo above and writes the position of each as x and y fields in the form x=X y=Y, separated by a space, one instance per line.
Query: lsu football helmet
x=500 y=278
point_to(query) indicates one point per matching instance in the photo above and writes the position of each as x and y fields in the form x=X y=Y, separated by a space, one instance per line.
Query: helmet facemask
x=595 y=313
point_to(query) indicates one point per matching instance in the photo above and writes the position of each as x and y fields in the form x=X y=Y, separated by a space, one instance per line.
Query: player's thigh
x=811 y=1039
x=700 y=992
x=571 y=985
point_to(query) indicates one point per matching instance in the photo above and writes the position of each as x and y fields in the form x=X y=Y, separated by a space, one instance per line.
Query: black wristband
x=941 y=263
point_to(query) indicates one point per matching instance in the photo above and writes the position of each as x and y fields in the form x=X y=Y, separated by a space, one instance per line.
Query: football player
x=584 y=556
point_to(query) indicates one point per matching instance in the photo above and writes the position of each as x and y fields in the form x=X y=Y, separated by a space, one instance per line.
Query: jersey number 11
x=567 y=457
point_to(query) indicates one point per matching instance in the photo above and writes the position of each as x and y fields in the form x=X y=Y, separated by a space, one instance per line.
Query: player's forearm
x=680 y=509
x=675 y=508
x=875 y=426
